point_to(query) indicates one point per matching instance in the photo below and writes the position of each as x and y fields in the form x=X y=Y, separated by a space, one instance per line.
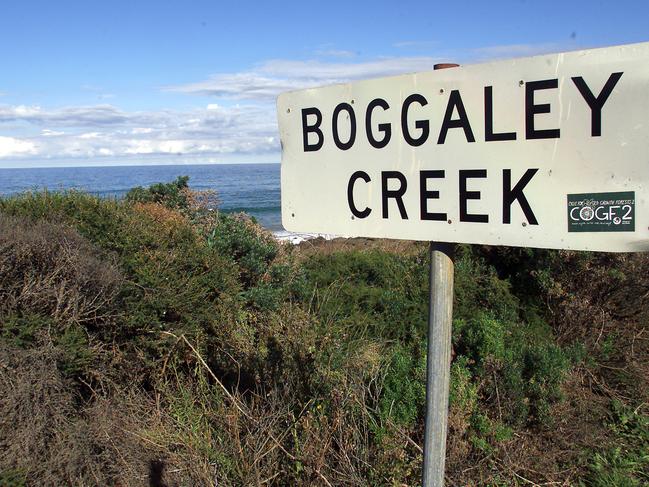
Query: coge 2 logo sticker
x=601 y=212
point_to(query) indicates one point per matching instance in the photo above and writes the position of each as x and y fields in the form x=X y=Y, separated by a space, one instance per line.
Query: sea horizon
x=253 y=188
x=136 y=164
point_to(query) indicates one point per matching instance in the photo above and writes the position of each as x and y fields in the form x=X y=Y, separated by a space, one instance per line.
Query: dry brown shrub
x=168 y=219
x=49 y=268
x=607 y=300
x=201 y=200
x=47 y=435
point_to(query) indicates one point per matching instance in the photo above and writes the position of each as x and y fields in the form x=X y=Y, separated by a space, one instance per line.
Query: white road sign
x=550 y=151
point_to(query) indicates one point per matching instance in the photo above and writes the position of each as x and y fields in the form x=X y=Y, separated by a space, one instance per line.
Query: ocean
x=252 y=188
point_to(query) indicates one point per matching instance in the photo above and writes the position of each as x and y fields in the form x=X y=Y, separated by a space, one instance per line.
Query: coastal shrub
x=404 y=387
x=251 y=248
x=172 y=278
x=99 y=220
x=531 y=271
x=268 y=276
x=171 y=195
x=503 y=348
x=49 y=269
x=528 y=370
x=481 y=339
x=13 y=478
x=374 y=293
x=626 y=463
x=502 y=339
x=146 y=271
x=22 y=330
x=201 y=207
x=463 y=392
x=52 y=436
x=224 y=356
x=479 y=288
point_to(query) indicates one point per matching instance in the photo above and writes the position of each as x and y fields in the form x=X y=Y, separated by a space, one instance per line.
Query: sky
x=86 y=83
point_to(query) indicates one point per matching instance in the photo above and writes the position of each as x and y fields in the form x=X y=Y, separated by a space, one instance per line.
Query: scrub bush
x=626 y=463
x=50 y=269
x=172 y=195
x=151 y=337
x=404 y=388
x=374 y=293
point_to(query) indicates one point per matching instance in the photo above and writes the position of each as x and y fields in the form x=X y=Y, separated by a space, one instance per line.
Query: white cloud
x=22 y=111
x=267 y=80
x=90 y=135
x=141 y=130
x=51 y=133
x=68 y=116
x=10 y=146
x=240 y=130
x=274 y=77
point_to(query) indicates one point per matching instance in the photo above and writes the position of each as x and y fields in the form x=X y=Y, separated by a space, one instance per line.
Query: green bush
x=251 y=248
x=404 y=388
x=463 y=391
x=481 y=339
x=267 y=280
x=479 y=288
x=528 y=371
x=627 y=463
x=172 y=195
x=13 y=478
x=22 y=330
x=99 y=220
x=372 y=293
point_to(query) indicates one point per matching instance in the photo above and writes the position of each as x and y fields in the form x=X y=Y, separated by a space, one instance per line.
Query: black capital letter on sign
x=334 y=125
x=531 y=109
x=596 y=104
x=425 y=195
x=489 y=119
x=516 y=194
x=383 y=127
x=350 y=194
x=397 y=194
x=423 y=125
x=465 y=195
x=455 y=101
x=315 y=128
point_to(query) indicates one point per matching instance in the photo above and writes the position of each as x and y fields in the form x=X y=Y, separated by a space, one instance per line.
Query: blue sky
x=149 y=82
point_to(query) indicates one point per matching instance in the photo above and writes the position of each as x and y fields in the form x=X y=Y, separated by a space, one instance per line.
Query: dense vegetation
x=151 y=341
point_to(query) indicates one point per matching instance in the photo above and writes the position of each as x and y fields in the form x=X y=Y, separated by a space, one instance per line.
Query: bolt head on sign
x=549 y=151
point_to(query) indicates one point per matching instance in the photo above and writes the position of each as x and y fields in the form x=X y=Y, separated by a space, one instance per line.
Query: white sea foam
x=298 y=238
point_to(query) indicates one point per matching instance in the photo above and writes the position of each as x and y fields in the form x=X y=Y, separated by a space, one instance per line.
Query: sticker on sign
x=484 y=154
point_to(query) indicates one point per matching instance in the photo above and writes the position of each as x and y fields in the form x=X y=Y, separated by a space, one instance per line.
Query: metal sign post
x=438 y=359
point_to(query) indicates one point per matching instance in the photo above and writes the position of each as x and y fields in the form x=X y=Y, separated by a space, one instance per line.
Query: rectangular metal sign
x=549 y=151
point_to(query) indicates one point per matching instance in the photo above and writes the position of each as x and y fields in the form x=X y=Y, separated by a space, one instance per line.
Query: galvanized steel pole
x=438 y=360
